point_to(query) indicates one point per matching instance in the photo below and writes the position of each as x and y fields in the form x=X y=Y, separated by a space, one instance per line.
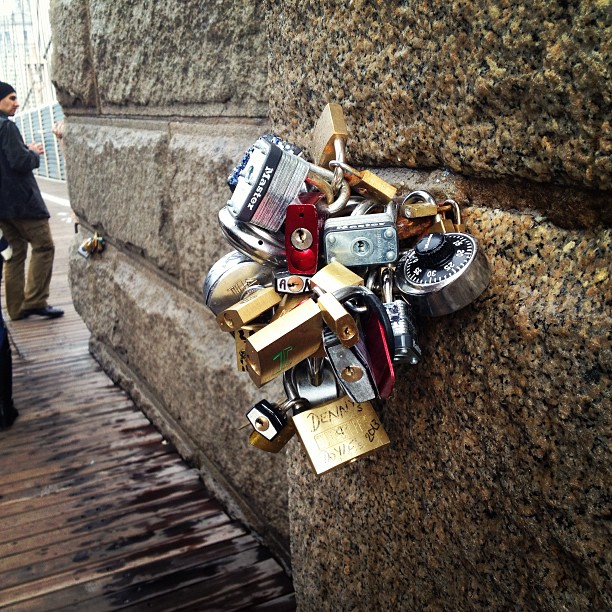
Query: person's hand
x=37 y=148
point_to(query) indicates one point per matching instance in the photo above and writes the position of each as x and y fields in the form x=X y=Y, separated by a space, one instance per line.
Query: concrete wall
x=493 y=494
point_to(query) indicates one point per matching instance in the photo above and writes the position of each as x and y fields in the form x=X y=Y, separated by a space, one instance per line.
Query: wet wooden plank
x=96 y=509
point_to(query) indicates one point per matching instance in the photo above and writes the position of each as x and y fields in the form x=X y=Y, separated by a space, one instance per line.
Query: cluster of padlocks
x=330 y=275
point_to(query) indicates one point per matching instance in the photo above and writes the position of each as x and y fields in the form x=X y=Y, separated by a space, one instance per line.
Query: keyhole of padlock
x=261 y=423
x=301 y=238
x=362 y=247
x=352 y=373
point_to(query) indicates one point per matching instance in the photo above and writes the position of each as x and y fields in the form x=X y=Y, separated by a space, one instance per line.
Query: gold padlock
x=444 y=225
x=272 y=446
x=339 y=432
x=248 y=308
x=240 y=338
x=335 y=276
x=366 y=183
x=329 y=136
x=284 y=342
x=337 y=318
x=418 y=204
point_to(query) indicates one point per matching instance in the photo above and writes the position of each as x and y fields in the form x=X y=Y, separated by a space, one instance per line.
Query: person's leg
x=14 y=270
x=38 y=234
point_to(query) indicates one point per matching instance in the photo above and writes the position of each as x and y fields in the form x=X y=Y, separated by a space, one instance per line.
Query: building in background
x=25 y=53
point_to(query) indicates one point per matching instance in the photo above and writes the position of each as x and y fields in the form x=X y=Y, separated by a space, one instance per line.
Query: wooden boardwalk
x=97 y=511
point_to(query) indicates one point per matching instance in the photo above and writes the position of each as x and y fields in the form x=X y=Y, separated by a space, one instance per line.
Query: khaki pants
x=33 y=294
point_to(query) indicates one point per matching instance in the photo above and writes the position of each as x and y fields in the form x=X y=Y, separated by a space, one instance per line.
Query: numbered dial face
x=438 y=257
x=442 y=273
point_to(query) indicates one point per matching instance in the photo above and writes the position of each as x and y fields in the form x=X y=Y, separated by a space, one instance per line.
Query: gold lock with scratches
x=253 y=305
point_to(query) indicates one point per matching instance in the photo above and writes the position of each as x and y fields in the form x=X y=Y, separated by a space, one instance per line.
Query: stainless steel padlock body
x=230 y=277
x=269 y=181
x=266 y=248
x=442 y=273
x=361 y=240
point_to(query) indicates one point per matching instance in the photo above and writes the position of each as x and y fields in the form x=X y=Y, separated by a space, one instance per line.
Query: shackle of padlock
x=264 y=247
x=367 y=205
x=339 y=203
x=459 y=226
x=299 y=385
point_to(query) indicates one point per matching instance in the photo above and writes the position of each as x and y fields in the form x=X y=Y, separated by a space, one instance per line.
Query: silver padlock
x=270 y=180
x=266 y=248
x=362 y=239
x=230 y=277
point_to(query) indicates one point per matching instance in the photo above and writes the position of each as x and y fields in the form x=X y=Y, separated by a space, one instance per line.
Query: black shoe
x=47 y=311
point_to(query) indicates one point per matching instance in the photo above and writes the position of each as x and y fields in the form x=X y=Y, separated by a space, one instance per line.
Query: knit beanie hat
x=5 y=90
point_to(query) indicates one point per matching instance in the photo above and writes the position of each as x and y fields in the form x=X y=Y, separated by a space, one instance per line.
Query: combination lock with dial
x=442 y=273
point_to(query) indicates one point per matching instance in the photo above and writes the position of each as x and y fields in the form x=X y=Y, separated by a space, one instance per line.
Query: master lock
x=361 y=240
x=442 y=273
x=229 y=277
x=269 y=181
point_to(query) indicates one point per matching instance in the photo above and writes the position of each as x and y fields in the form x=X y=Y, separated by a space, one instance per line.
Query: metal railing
x=37 y=126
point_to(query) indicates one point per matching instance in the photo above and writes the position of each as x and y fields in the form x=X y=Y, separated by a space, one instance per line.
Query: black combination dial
x=442 y=273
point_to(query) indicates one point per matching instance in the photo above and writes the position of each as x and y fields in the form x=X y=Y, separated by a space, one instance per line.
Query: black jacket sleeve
x=17 y=155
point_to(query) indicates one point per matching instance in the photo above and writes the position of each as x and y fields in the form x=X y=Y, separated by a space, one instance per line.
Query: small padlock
x=406 y=346
x=445 y=225
x=335 y=276
x=302 y=224
x=265 y=248
x=292 y=284
x=272 y=428
x=284 y=342
x=337 y=318
x=240 y=338
x=269 y=181
x=366 y=183
x=361 y=240
x=230 y=277
x=329 y=136
x=256 y=302
x=339 y=432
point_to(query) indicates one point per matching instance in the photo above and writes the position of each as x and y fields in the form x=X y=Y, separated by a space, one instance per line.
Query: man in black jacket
x=24 y=219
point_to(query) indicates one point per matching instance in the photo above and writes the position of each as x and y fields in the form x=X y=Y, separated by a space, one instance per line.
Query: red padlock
x=302 y=224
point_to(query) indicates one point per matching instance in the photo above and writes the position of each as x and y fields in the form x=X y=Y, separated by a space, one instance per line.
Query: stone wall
x=493 y=493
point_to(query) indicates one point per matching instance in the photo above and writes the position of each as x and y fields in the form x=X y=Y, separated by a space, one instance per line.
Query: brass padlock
x=272 y=429
x=335 y=276
x=284 y=342
x=444 y=225
x=418 y=204
x=256 y=302
x=337 y=318
x=339 y=432
x=366 y=183
x=240 y=338
x=329 y=136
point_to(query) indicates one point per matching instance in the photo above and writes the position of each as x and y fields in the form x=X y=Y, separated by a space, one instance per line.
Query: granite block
x=485 y=89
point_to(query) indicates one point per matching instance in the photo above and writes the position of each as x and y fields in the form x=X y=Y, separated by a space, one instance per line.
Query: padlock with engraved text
x=269 y=181
x=284 y=342
x=229 y=277
x=303 y=220
x=339 y=432
x=405 y=341
x=257 y=301
x=361 y=240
